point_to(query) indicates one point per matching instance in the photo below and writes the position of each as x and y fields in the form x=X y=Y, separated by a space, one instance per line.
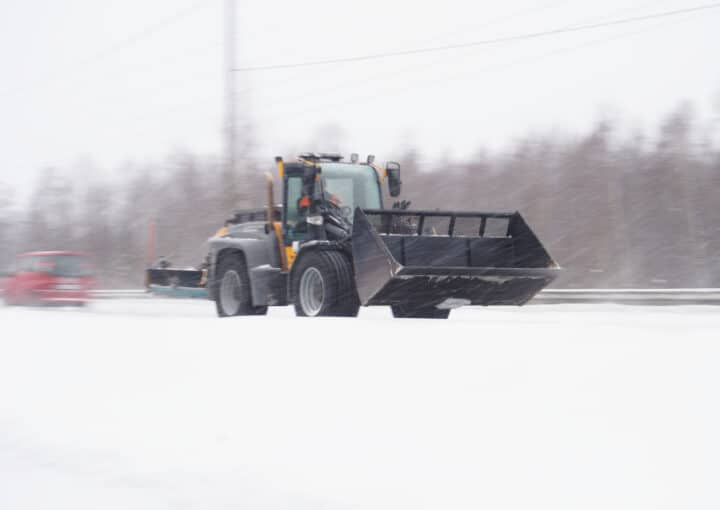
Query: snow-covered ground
x=156 y=404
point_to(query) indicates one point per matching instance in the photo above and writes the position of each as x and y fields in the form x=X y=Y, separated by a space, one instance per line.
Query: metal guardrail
x=548 y=296
x=120 y=294
x=629 y=296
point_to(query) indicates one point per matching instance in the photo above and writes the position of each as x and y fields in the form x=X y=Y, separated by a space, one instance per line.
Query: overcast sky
x=88 y=84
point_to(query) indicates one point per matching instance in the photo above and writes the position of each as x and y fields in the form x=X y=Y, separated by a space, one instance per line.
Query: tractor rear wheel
x=233 y=292
x=409 y=312
x=323 y=285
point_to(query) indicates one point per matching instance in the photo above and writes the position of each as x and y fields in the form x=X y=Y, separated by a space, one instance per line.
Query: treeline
x=613 y=210
x=183 y=200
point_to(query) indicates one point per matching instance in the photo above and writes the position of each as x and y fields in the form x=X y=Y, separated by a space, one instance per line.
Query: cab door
x=294 y=213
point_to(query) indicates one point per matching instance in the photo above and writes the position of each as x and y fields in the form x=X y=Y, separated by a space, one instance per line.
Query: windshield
x=351 y=186
x=59 y=265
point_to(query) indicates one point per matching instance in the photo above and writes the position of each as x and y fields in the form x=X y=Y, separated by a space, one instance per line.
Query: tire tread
x=237 y=263
x=336 y=268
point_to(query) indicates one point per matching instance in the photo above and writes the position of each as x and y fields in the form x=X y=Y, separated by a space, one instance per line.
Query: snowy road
x=155 y=404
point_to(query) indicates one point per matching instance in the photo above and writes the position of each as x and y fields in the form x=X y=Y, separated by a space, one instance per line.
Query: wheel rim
x=230 y=287
x=312 y=291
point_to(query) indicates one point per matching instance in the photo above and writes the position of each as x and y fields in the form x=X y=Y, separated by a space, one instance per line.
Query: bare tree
x=612 y=211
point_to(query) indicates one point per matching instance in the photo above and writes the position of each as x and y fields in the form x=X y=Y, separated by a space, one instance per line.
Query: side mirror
x=392 y=169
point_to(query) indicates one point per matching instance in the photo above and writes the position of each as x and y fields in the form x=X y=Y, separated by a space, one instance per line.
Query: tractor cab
x=321 y=193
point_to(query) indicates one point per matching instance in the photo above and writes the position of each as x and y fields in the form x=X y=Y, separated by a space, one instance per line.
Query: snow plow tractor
x=332 y=247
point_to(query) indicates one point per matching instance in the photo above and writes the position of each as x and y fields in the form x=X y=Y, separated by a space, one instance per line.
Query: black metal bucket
x=447 y=259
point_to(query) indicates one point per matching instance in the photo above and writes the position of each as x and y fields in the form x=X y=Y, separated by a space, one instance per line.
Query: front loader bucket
x=447 y=259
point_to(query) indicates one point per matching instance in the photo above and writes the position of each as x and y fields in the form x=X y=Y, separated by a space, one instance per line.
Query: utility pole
x=230 y=120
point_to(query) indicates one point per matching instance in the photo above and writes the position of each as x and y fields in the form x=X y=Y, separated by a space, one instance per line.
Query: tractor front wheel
x=323 y=285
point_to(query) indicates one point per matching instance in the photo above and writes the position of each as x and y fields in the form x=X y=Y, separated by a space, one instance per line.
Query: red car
x=49 y=277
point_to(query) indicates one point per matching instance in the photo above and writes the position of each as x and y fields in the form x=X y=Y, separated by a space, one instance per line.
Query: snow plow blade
x=172 y=282
x=447 y=259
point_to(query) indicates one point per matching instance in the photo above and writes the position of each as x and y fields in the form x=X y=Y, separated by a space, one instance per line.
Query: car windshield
x=61 y=265
x=352 y=186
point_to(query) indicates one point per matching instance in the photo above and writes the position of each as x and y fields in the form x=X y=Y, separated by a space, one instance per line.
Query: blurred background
x=600 y=122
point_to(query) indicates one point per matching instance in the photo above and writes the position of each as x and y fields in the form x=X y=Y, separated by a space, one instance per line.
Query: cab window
x=295 y=226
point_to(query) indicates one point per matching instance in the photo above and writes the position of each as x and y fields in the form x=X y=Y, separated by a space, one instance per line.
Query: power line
x=360 y=98
x=130 y=40
x=399 y=71
x=500 y=20
x=355 y=80
x=146 y=32
x=486 y=42
x=285 y=100
x=496 y=21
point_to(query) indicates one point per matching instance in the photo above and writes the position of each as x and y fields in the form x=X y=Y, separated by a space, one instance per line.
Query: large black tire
x=233 y=296
x=408 y=312
x=323 y=285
